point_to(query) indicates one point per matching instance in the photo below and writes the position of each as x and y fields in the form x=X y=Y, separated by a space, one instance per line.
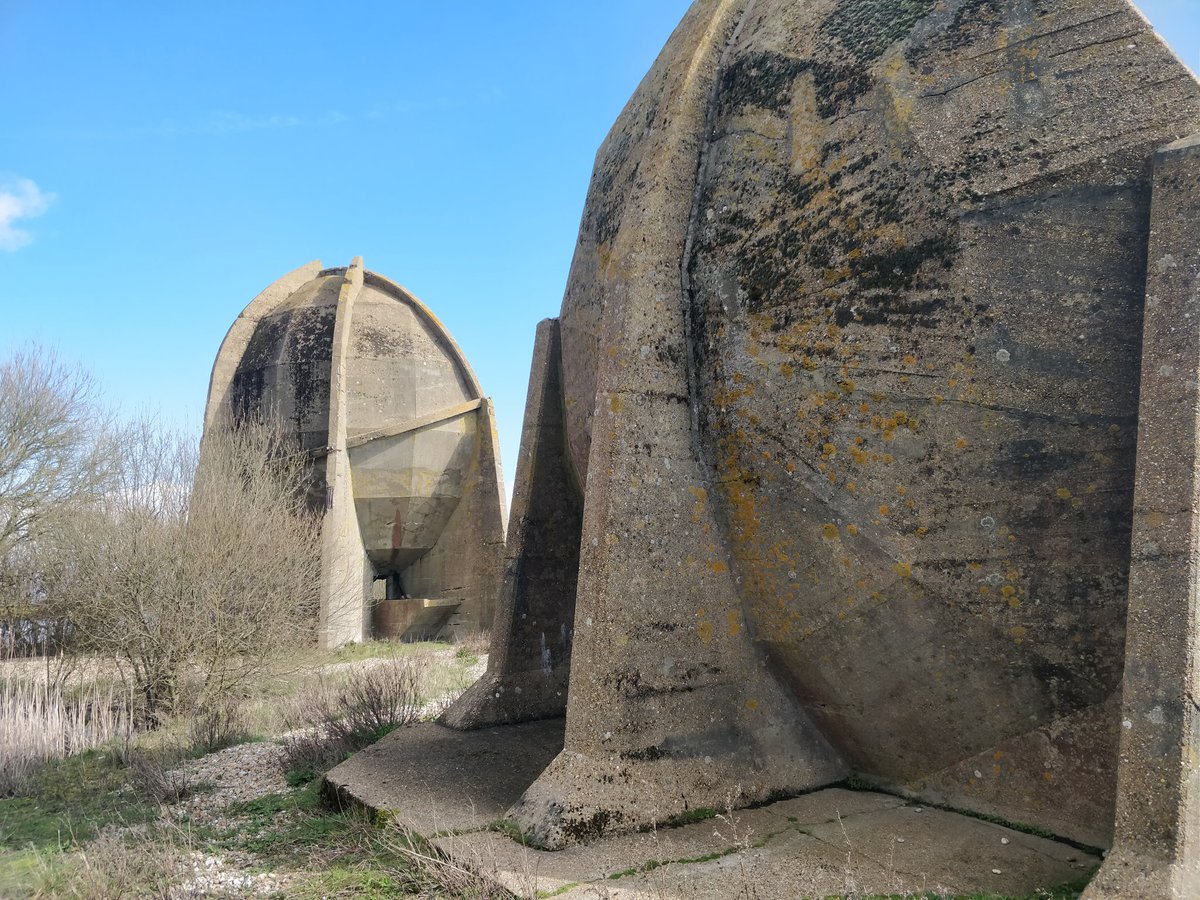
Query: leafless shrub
x=55 y=459
x=155 y=780
x=217 y=725
x=202 y=566
x=339 y=716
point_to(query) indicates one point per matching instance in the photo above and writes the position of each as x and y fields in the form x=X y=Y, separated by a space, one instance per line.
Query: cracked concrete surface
x=455 y=786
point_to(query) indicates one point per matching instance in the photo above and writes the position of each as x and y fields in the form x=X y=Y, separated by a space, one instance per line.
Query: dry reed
x=38 y=724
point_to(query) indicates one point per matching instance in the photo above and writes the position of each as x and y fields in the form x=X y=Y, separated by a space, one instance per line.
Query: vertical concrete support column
x=489 y=519
x=670 y=706
x=530 y=659
x=1156 y=851
x=345 y=569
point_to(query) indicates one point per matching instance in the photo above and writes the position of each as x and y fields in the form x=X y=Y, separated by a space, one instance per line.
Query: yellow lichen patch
x=852 y=530
x=953 y=382
x=829 y=450
x=1014 y=602
x=961 y=443
x=787 y=370
x=615 y=403
x=904 y=570
x=791 y=467
x=864 y=408
x=984 y=590
x=1008 y=590
x=901 y=490
x=938 y=399
x=885 y=510
x=829 y=532
x=1018 y=633
x=752 y=704
x=735 y=623
x=1063 y=493
x=705 y=630
x=718 y=566
x=910 y=360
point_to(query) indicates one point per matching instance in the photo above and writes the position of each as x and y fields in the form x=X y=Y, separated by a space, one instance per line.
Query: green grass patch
x=18 y=870
x=354 y=652
x=510 y=829
x=69 y=801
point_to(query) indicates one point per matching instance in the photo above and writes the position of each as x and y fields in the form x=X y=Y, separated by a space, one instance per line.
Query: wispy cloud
x=225 y=123
x=20 y=199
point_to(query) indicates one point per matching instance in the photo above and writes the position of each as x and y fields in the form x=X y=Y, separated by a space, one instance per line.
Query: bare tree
x=197 y=574
x=56 y=460
x=54 y=447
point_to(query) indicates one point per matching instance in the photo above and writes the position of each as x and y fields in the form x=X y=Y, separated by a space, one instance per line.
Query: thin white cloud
x=20 y=199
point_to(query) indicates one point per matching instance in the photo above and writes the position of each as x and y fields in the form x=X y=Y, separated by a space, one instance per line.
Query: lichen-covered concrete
x=405 y=462
x=850 y=352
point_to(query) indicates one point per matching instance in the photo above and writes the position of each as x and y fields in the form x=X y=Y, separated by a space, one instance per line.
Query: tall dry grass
x=40 y=723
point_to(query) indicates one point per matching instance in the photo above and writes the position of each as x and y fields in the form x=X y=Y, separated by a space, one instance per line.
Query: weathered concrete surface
x=527 y=675
x=455 y=784
x=851 y=343
x=436 y=779
x=831 y=843
x=666 y=709
x=1156 y=853
x=405 y=462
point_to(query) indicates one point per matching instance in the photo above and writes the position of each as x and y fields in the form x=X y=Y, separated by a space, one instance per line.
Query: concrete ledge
x=435 y=780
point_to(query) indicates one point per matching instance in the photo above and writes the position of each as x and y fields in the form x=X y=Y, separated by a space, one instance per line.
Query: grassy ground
x=97 y=824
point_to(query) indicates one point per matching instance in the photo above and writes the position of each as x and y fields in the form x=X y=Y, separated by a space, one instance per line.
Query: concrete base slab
x=452 y=785
x=435 y=779
x=832 y=842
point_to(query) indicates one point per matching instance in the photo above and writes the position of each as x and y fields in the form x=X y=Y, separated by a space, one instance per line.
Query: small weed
x=510 y=829
x=692 y=816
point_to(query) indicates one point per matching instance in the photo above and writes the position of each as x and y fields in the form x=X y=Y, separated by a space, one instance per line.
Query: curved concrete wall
x=851 y=346
x=374 y=387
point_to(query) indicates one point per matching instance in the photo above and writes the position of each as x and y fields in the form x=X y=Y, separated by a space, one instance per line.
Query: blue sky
x=161 y=163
